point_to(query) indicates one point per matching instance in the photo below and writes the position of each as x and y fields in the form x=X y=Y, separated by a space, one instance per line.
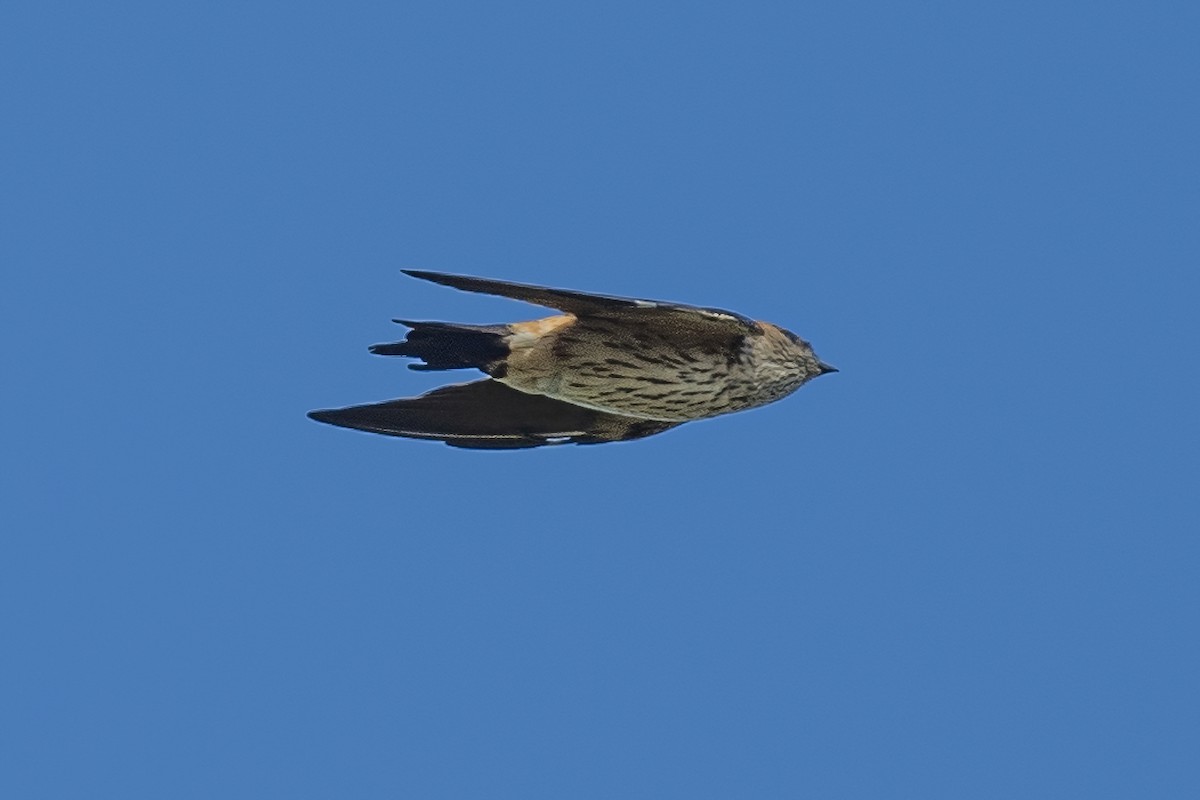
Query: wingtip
x=466 y=283
x=325 y=415
x=423 y=274
x=350 y=417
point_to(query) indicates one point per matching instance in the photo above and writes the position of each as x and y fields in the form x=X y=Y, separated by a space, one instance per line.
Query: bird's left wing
x=600 y=305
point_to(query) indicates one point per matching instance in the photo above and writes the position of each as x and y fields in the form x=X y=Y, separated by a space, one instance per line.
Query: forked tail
x=447 y=345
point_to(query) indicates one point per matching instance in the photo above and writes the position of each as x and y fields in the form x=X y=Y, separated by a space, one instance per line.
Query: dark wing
x=489 y=415
x=586 y=304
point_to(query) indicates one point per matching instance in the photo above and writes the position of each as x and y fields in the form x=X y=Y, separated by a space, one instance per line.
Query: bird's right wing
x=490 y=415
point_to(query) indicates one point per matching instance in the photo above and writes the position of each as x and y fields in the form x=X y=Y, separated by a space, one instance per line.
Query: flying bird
x=606 y=369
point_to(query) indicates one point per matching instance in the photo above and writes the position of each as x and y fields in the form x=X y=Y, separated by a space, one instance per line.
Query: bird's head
x=804 y=357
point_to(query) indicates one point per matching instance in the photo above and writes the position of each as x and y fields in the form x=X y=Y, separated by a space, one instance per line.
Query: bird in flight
x=606 y=369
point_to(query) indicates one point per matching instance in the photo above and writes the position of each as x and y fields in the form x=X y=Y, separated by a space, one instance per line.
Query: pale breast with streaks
x=639 y=370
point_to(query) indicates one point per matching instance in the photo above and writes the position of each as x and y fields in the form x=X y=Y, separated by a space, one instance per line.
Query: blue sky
x=965 y=566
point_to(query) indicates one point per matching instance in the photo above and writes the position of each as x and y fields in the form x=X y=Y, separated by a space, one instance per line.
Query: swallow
x=604 y=369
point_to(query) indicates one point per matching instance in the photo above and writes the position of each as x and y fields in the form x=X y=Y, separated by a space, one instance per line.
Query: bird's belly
x=643 y=376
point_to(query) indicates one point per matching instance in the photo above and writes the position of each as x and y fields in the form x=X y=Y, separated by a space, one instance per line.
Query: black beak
x=821 y=365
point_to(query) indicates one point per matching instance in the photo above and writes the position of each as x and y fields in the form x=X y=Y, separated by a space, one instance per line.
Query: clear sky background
x=966 y=566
